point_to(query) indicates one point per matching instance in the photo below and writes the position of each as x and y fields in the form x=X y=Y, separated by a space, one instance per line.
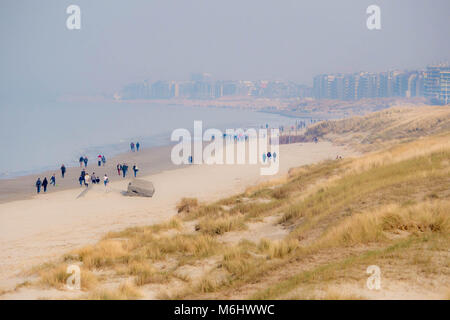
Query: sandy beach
x=37 y=228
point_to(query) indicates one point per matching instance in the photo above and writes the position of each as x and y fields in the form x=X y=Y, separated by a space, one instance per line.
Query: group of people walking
x=101 y=160
x=85 y=179
x=123 y=169
x=44 y=183
x=134 y=147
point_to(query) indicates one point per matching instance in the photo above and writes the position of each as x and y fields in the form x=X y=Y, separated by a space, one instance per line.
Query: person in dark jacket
x=53 y=180
x=38 y=185
x=45 y=184
x=63 y=170
x=137 y=146
x=81 y=161
x=124 y=169
x=85 y=159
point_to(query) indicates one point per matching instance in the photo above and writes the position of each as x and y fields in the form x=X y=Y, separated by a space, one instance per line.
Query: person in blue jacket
x=38 y=185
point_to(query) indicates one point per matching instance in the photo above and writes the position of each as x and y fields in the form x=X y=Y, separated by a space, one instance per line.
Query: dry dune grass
x=374 y=226
x=220 y=225
x=187 y=204
x=56 y=276
x=124 y=292
x=390 y=207
x=382 y=128
x=381 y=184
x=173 y=223
x=402 y=152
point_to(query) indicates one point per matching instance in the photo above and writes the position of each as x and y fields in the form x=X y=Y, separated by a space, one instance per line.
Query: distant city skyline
x=432 y=82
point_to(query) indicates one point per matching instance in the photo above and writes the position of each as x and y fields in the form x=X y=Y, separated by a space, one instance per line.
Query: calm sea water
x=37 y=137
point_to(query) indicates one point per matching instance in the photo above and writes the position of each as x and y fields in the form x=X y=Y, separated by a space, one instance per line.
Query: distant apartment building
x=444 y=87
x=362 y=85
x=436 y=84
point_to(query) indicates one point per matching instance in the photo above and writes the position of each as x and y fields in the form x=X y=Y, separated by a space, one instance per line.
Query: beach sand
x=38 y=228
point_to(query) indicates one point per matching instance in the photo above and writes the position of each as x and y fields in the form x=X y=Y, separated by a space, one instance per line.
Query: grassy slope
x=390 y=208
x=384 y=128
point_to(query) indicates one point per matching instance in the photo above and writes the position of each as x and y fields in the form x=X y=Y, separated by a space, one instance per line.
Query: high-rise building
x=444 y=84
x=436 y=81
x=432 y=80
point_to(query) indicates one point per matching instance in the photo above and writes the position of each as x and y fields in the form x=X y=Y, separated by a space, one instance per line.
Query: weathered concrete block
x=140 y=188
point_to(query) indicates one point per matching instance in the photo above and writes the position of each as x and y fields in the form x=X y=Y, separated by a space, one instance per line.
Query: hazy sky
x=130 y=40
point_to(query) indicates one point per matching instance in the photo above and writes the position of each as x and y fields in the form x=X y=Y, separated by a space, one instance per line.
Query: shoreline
x=150 y=160
x=50 y=158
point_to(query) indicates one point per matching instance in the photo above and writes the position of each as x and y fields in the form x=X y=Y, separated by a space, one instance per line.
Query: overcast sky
x=130 y=40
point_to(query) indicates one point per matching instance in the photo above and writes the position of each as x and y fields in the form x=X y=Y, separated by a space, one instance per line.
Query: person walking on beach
x=82 y=176
x=87 y=179
x=85 y=159
x=132 y=146
x=95 y=179
x=264 y=157
x=38 y=185
x=274 y=156
x=53 y=180
x=81 y=180
x=45 y=184
x=103 y=160
x=124 y=169
x=137 y=146
x=135 y=169
x=81 y=161
x=269 y=156
x=99 y=160
x=63 y=170
x=105 y=179
x=119 y=168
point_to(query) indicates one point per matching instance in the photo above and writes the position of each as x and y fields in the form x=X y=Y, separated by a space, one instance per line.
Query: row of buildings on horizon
x=432 y=83
x=202 y=86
